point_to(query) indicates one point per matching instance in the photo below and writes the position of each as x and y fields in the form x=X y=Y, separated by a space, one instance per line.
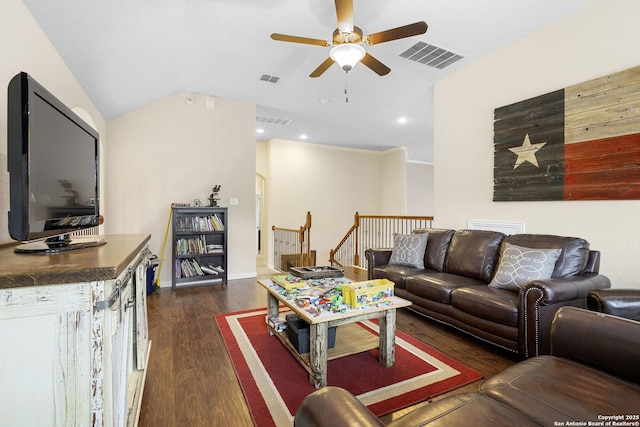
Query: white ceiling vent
x=273 y=121
x=430 y=55
x=268 y=78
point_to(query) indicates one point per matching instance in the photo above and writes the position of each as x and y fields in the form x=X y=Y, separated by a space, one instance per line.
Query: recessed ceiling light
x=324 y=101
x=260 y=130
x=303 y=136
x=402 y=120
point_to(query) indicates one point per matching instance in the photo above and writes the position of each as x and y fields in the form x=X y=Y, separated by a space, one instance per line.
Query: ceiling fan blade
x=377 y=66
x=296 y=39
x=344 y=12
x=322 y=68
x=397 y=33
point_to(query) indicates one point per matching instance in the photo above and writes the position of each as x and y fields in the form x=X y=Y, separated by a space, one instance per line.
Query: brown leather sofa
x=591 y=377
x=458 y=266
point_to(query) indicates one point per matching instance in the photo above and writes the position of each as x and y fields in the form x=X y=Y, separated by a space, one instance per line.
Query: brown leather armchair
x=617 y=302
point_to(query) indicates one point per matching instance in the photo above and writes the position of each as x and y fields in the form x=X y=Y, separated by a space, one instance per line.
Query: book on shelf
x=219 y=268
x=218 y=225
x=215 y=249
x=199 y=223
x=191 y=246
x=190 y=268
x=216 y=269
x=187 y=268
x=209 y=270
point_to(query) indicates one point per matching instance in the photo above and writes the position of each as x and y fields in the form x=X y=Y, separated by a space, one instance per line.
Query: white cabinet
x=73 y=333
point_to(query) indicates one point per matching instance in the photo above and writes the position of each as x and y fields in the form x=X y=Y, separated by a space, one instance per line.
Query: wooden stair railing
x=373 y=231
x=291 y=247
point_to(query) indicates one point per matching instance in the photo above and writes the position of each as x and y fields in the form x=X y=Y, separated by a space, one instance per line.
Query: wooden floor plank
x=190 y=378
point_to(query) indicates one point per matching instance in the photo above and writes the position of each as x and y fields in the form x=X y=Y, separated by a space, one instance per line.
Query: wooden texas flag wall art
x=577 y=143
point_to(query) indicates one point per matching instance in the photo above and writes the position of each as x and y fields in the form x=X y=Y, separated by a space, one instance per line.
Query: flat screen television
x=52 y=158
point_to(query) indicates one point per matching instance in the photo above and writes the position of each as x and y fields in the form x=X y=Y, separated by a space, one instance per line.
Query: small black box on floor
x=298 y=333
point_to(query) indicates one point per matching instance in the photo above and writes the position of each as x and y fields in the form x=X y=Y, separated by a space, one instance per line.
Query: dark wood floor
x=190 y=379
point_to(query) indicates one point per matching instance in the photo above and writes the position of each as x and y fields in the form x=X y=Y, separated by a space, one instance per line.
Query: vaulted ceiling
x=127 y=53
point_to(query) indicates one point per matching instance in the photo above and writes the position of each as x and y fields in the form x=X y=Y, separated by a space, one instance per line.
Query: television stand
x=60 y=244
x=75 y=338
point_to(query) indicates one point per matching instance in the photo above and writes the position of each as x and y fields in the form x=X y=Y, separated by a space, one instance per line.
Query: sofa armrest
x=541 y=299
x=604 y=342
x=334 y=407
x=375 y=258
x=617 y=302
x=593 y=262
x=568 y=288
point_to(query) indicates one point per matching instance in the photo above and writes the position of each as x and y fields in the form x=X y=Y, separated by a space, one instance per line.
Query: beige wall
x=332 y=183
x=602 y=39
x=172 y=151
x=419 y=188
x=393 y=177
x=24 y=47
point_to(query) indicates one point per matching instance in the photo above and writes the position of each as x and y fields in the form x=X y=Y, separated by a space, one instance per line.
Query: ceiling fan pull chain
x=346 y=85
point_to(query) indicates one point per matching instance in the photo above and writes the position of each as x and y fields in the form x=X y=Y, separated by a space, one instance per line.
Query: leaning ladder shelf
x=199 y=245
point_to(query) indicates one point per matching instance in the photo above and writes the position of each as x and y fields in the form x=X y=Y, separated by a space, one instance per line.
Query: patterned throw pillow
x=408 y=249
x=519 y=265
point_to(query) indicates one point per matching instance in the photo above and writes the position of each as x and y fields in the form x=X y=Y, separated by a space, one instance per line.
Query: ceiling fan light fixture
x=347 y=55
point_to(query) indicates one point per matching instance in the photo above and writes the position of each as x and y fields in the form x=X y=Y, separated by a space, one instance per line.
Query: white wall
x=332 y=183
x=602 y=39
x=171 y=151
x=24 y=47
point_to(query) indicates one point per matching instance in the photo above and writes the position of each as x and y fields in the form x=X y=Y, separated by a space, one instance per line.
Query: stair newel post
x=356 y=255
x=308 y=227
x=301 y=246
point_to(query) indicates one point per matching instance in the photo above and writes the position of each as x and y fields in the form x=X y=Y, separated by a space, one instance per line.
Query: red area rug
x=274 y=383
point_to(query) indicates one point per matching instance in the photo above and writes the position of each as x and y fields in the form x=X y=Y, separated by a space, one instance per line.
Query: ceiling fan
x=347 y=42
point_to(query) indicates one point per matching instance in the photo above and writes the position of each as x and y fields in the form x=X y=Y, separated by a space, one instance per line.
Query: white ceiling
x=127 y=53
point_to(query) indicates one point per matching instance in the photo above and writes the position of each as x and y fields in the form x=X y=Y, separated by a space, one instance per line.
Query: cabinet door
x=119 y=369
x=141 y=325
x=117 y=359
x=45 y=362
x=122 y=354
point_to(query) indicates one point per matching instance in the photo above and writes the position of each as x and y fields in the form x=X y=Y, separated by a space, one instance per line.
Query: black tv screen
x=53 y=168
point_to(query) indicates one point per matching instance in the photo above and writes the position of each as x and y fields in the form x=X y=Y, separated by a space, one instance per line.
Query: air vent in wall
x=273 y=121
x=430 y=55
x=268 y=78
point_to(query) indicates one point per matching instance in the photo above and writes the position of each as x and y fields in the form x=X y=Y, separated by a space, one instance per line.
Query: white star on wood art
x=527 y=152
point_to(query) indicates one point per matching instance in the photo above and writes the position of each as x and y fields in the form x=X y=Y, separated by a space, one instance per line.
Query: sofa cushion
x=408 y=249
x=473 y=253
x=572 y=260
x=519 y=265
x=396 y=273
x=437 y=246
x=438 y=286
x=496 y=305
x=549 y=389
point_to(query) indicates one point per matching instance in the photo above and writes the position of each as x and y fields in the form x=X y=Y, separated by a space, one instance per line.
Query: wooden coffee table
x=350 y=339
